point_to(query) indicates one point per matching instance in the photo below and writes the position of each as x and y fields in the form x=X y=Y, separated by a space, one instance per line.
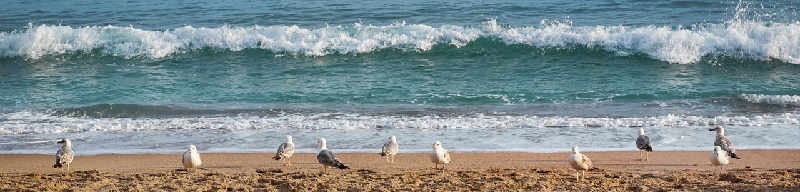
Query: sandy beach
x=759 y=170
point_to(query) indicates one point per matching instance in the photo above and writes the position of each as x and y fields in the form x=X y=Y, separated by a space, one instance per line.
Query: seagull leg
x=583 y=175
x=289 y=161
x=645 y=155
x=577 y=175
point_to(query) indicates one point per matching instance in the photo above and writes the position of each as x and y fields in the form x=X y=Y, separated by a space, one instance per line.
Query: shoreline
x=758 y=170
x=236 y=162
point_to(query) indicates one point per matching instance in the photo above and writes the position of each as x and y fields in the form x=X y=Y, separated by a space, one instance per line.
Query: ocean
x=145 y=76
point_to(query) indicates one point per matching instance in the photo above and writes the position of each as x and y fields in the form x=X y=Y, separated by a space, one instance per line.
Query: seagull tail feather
x=57 y=165
x=649 y=148
x=733 y=155
x=277 y=157
x=340 y=165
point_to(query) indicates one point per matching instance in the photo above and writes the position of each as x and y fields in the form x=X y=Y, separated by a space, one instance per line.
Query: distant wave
x=785 y=100
x=750 y=40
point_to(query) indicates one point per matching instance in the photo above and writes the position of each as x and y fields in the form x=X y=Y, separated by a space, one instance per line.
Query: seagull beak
x=712 y=129
x=60 y=142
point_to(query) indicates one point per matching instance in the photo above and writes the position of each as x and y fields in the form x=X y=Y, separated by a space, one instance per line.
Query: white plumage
x=580 y=162
x=719 y=158
x=390 y=149
x=439 y=155
x=64 y=155
x=285 y=151
x=191 y=158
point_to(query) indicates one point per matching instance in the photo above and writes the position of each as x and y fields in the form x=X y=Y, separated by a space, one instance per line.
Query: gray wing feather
x=282 y=148
x=642 y=142
x=59 y=154
x=387 y=149
x=325 y=157
x=64 y=157
x=725 y=144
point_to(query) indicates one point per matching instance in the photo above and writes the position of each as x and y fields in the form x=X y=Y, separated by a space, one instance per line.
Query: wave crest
x=785 y=100
x=753 y=40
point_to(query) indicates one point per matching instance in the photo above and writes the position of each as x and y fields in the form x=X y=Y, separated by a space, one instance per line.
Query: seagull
x=191 y=159
x=327 y=158
x=643 y=143
x=64 y=155
x=719 y=158
x=285 y=151
x=724 y=143
x=579 y=162
x=439 y=155
x=390 y=149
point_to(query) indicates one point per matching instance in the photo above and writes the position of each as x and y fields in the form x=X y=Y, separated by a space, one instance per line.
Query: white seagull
x=285 y=151
x=643 y=143
x=64 y=155
x=719 y=158
x=327 y=158
x=390 y=149
x=724 y=143
x=191 y=158
x=439 y=155
x=579 y=162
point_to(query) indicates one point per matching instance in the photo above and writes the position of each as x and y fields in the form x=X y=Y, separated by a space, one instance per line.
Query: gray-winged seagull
x=285 y=151
x=64 y=155
x=390 y=149
x=580 y=162
x=327 y=158
x=643 y=143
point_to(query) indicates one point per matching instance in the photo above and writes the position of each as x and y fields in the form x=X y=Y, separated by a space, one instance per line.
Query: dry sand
x=759 y=170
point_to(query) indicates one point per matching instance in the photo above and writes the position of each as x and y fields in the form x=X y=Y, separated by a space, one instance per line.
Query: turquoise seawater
x=153 y=76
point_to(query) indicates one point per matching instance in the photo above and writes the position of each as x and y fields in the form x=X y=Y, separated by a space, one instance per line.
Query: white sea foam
x=27 y=123
x=752 y=40
x=356 y=132
x=785 y=100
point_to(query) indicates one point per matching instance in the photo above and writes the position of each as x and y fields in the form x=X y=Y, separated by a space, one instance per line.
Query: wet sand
x=759 y=170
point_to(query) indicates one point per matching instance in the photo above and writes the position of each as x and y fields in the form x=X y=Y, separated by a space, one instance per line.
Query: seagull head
x=393 y=139
x=288 y=138
x=192 y=148
x=575 y=149
x=65 y=142
x=641 y=131
x=720 y=130
x=437 y=144
x=322 y=143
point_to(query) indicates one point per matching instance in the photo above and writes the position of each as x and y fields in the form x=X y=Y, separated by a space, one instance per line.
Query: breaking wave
x=674 y=44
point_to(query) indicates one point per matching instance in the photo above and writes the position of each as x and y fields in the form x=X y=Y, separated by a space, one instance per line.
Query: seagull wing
x=643 y=143
x=327 y=158
x=281 y=151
